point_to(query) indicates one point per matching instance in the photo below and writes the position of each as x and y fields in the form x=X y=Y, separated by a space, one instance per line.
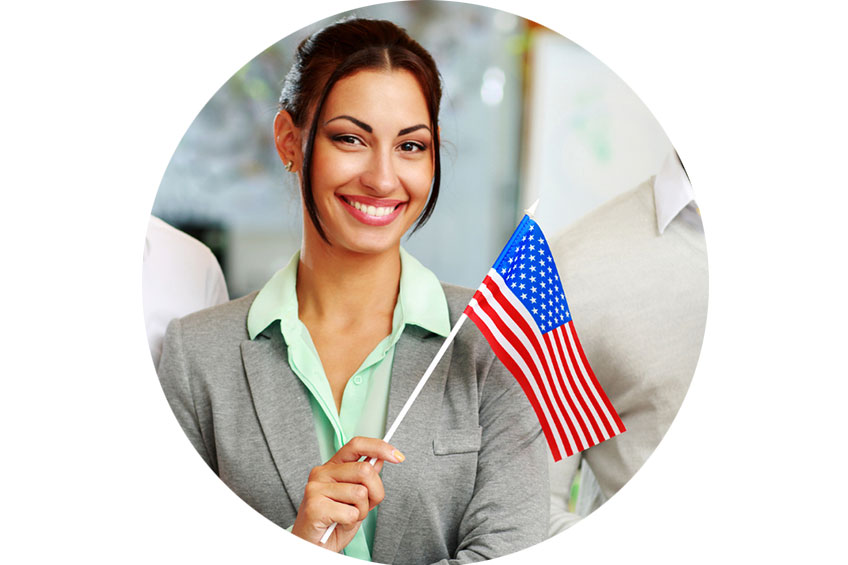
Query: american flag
x=521 y=309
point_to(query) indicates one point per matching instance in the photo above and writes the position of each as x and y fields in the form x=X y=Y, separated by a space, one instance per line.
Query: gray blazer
x=474 y=484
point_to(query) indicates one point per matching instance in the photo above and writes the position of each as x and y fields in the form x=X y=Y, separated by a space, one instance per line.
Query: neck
x=334 y=283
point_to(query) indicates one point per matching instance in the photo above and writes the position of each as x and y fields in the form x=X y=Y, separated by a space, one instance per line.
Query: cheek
x=331 y=168
x=419 y=179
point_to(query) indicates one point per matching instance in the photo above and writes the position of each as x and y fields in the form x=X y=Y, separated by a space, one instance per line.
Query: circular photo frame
x=526 y=115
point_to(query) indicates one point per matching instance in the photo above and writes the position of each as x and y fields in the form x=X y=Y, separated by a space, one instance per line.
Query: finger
x=340 y=472
x=360 y=473
x=368 y=447
x=317 y=514
x=350 y=494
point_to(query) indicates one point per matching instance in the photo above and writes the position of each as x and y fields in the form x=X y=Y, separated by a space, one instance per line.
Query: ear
x=287 y=139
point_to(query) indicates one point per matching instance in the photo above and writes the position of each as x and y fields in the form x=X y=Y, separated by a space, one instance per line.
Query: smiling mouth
x=370 y=209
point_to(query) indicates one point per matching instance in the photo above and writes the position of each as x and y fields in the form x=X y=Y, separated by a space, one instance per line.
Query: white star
x=533 y=268
x=523 y=295
x=532 y=279
x=533 y=300
x=531 y=238
x=521 y=286
x=532 y=247
x=535 y=311
x=521 y=275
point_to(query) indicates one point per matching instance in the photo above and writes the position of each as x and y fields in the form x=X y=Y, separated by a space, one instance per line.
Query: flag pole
x=399 y=418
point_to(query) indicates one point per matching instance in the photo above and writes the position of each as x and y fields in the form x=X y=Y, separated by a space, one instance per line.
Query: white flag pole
x=529 y=211
x=399 y=418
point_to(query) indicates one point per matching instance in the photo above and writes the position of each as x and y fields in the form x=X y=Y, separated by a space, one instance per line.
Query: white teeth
x=371 y=210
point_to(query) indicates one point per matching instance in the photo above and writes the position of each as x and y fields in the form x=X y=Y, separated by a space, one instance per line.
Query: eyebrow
x=362 y=125
x=369 y=129
x=411 y=129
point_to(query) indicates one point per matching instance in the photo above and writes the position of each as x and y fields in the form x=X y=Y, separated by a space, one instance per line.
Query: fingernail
x=398 y=455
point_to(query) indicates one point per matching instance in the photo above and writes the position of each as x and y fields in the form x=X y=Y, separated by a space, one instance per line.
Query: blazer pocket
x=448 y=442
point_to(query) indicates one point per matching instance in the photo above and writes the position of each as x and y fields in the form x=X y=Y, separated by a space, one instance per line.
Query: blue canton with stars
x=527 y=267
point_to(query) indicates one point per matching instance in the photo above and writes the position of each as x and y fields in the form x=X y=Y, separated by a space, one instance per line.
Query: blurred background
x=526 y=114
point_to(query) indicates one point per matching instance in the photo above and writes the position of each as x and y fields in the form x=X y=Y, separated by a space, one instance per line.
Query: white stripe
x=584 y=420
x=579 y=383
x=522 y=311
x=603 y=404
x=516 y=357
x=528 y=346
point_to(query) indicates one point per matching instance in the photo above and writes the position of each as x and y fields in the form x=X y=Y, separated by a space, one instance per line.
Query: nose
x=381 y=175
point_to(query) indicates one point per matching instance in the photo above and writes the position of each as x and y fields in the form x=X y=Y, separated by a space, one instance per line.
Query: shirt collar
x=672 y=191
x=421 y=297
x=421 y=300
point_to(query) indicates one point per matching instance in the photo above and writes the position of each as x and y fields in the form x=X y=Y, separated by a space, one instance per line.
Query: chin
x=371 y=244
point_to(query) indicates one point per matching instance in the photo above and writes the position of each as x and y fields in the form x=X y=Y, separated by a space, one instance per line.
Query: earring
x=289 y=166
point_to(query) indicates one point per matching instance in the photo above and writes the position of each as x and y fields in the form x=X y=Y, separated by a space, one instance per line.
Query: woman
x=312 y=368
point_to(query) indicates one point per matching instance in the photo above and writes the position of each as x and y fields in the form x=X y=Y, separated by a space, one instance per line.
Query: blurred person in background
x=282 y=392
x=180 y=275
x=635 y=270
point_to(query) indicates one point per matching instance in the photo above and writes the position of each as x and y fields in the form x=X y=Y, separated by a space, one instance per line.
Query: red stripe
x=585 y=384
x=577 y=387
x=483 y=302
x=568 y=397
x=508 y=362
x=521 y=321
x=598 y=386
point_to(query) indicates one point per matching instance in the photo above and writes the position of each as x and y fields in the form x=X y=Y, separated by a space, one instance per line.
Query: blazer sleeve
x=176 y=383
x=510 y=506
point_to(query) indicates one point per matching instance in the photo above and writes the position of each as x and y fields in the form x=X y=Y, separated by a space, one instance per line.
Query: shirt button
x=357 y=380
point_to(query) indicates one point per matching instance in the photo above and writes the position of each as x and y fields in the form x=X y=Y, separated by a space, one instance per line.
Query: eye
x=412 y=146
x=347 y=139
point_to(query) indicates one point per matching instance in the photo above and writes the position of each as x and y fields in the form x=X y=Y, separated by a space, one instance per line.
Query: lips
x=372 y=211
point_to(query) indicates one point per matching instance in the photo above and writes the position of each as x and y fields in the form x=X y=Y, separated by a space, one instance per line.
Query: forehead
x=372 y=94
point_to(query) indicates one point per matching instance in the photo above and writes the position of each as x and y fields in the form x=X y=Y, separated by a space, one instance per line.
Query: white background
x=96 y=97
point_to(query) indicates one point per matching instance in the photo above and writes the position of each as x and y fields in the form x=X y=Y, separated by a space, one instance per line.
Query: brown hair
x=340 y=50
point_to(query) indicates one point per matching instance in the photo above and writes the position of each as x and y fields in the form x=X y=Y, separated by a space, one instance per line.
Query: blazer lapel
x=282 y=406
x=414 y=351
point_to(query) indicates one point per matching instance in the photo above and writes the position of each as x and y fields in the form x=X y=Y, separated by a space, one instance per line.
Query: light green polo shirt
x=421 y=302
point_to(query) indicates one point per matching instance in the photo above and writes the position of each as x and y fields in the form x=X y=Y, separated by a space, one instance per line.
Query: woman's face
x=372 y=163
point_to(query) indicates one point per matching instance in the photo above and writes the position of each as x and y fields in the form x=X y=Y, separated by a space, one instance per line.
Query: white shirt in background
x=180 y=276
x=635 y=274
